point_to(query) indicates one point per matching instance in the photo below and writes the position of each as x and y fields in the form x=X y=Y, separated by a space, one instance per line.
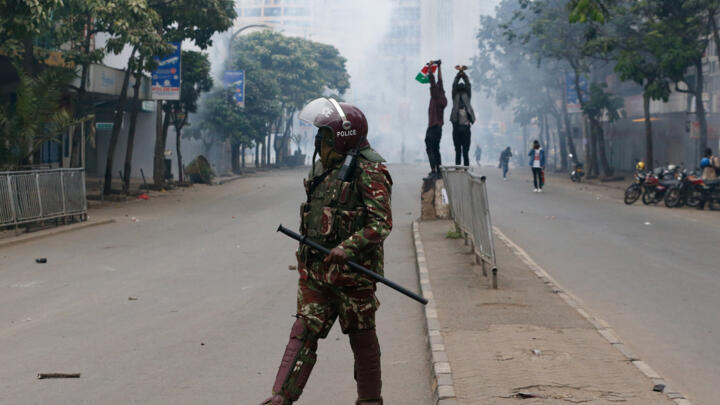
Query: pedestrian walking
x=537 y=163
x=478 y=154
x=348 y=211
x=504 y=163
x=438 y=102
x=462 y=116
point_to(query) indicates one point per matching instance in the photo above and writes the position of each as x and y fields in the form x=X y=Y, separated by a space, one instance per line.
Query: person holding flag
x=438 y=102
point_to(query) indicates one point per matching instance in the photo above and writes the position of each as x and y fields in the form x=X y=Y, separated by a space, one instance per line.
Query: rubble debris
x=132 y=298
x=43 y=376
x=659 y=387
x=41 y=260
x=292 y=267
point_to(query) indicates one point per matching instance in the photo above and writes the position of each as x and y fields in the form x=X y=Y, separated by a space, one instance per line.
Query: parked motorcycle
x=709 y=193
x=657 y=183
x=578 y=170
x=635 y=189
x=686 y=192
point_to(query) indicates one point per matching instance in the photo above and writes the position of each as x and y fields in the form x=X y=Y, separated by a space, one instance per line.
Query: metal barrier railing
x=37 y=195
x=469 y=207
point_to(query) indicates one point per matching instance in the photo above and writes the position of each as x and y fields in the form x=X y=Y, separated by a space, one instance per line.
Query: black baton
x=354 y=266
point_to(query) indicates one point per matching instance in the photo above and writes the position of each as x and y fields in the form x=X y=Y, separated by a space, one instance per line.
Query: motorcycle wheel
x=672 y=198
x=648 y=197
x=574 y=178
x=694 y=198
x=632 y=193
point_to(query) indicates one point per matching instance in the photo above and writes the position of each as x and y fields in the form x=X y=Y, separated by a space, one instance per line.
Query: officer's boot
x=295 y=367
x=366 y=349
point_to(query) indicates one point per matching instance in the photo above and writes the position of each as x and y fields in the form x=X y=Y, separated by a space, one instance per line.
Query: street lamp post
x=235 y=34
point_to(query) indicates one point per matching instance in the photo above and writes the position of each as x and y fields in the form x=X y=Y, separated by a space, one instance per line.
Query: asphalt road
x=191 y=303
x=652 y=273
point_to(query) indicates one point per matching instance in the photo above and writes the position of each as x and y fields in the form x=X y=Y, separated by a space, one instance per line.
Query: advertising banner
x=166 y=78
x=236 y=79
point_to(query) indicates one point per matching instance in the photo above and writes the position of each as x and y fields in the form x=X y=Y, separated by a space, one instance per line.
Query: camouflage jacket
x=355 y=216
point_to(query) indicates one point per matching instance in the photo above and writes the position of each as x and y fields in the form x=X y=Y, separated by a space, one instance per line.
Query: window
x=297 y=11
x=252 y=12
x=272 y=12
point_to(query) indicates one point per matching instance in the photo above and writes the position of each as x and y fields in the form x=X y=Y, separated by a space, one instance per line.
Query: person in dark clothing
x=438 y=102
x=505 y=161
x=462 y=116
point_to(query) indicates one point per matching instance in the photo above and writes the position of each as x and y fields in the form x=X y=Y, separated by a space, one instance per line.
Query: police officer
x=348 y=211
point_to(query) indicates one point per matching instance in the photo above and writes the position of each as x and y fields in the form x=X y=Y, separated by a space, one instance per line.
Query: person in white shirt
x=537 y=163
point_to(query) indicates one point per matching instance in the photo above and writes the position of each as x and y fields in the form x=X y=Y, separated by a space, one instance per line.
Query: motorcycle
x=686 y=192
x=657 y=183
x=578 y=170
x=635 y=189
x=709 y=193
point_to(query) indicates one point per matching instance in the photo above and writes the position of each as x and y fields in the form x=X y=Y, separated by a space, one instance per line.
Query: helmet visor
x=322 y=112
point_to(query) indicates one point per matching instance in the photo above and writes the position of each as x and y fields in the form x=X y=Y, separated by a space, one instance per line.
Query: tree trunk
x=178 y=132
x=242 y=154
x=568 y=127
x=117 y=123
x=600 y=140
x=234 y=158
x=76 y=146
x=649 y=160
x=127 y=170
x=257 y=155
x=28 y=56
x=700 y=106
x=561 y=141
x=159 y=153
x=263 y=163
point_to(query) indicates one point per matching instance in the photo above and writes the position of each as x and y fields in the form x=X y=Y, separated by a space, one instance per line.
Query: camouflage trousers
x=319 y=304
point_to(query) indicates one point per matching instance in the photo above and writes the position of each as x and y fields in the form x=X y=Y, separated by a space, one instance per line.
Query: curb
x=443 y=386
x=52 y=232
x=598 y=323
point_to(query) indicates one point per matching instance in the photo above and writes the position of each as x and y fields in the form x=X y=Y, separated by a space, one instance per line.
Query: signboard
x=236 y=80
x=166 y=78
x=104 y=126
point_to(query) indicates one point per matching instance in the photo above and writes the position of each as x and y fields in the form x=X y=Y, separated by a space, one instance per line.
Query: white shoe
x=539 y=190
x=535 y=190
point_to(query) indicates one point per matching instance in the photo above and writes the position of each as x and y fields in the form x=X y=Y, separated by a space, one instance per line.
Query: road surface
x=190 y=302
x=652 y=273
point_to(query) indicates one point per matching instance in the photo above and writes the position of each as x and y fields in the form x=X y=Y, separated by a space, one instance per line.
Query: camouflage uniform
x=355 y=216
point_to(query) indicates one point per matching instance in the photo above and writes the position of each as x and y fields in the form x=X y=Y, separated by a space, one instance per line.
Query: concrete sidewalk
x=523 y=341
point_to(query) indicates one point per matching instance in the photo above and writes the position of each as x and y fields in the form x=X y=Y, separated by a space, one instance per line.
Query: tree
x=242 y=127
x=195 y=79
x=303 y=69
x=187 y=20
x=21 y=22
x=38 y=115
x=137 y=30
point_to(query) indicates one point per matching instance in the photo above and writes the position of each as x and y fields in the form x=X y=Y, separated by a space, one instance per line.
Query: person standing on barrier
x=462 y=116
x=537 y=163
x=505 y=162
x=438 y=102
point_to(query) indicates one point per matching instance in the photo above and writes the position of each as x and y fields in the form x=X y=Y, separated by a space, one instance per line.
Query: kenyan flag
x=422 y=76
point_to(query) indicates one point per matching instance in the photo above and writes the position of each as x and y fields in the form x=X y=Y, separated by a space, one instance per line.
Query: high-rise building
x=292 y=17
